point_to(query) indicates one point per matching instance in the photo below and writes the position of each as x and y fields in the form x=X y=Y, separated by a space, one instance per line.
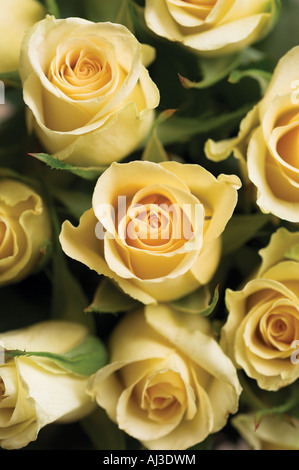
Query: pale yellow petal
x=270 y=182
x=17 y=16
x=280 y=242
x=273 y=433
x=185 y=331
x=218 y=151
x=283 y=80
x=230 y=37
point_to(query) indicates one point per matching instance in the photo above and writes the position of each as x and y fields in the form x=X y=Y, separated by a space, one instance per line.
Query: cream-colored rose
x=90 y=98
x=36 y=391
x=273 y=433
x=168 y=383
x=261 y=334
x=154 y=228
x=212 y=27
x=24 y=227
x=17 y=16
x=267 y=142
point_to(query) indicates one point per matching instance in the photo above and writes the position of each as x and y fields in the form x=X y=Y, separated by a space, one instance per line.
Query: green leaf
x=278 y=43
x=85 y=359
x=261 y=76
x=76 y=202
x=182 y=129
x=197 y=302
x=104 y=434
x=293 y=253
x=68 y=297
x=53 y=8
x=213 y=70
x=102 y=11
x=56 y=164
x=240 y=229
x=109 y=298
x=154 y=150
x=279 y=410
x=124 y=16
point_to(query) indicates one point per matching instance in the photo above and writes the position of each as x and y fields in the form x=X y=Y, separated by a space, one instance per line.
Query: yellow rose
x=154 y=228
x=267 y=143
x=168 y=383
x=273 y=433
x=261 y=334
x=17 y=16
x=36 y=391
x=212 y=27
x=90 y=98
x=24 y=227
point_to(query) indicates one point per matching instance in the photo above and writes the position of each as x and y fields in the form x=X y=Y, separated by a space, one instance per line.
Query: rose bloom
x=154 y=228
x=267 y=143
x=90 y=99
x=35 y=391
x=24 y=227
x=273 y=433
x=168 y=383
x=262 y=329
x=17 y=16
x=212 y=27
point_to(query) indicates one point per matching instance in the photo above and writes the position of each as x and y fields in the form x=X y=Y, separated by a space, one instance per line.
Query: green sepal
x=213 y=70
x=282 y=411
x=56 y=164
x=53 y=8
x=85 y=359
x=109 y=298
x=154 y=150
x=181 y=129
x=240 y=229
x=197 y=302
x=261 y=76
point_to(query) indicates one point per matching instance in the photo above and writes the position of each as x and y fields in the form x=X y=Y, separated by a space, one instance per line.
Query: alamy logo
x=2 y=93
x=295 y=354
x=150 y=222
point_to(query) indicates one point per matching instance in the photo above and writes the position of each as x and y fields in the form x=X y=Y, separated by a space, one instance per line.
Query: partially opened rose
x=267 y=142
x=273 y=433
x=212 y=27
x=25 y=226
x=154 y=228
x=168 y=383
x=36 y=391
x=90 y=97
x=17 y=16
x=262 y=329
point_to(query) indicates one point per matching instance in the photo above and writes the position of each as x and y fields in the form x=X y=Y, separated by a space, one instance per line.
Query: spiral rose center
x=81 y=71
x=155 y=221
x=279 y=329
x=86 y=66
x=164 y=396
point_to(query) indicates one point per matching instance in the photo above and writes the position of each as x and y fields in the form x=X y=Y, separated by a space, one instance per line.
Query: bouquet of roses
x=149 y=203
